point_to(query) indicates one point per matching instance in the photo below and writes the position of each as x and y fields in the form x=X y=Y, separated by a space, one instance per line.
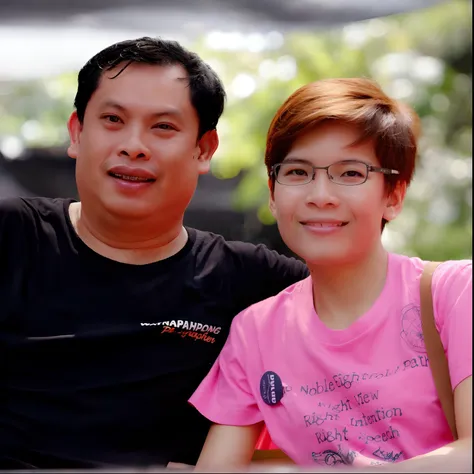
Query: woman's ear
x=395 y=201
x=271 y=201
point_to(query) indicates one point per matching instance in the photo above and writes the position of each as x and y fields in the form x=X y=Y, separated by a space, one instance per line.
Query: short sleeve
x=452 y=297
x=225 y=396
x=262 y=273
x=14 y=255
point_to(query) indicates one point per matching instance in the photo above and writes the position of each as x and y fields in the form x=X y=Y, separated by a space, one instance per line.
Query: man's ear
x=207 y=146
x=395 y=201
x=74 y=128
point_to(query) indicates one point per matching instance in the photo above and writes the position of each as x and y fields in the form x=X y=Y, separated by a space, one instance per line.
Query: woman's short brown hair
x=393 y=127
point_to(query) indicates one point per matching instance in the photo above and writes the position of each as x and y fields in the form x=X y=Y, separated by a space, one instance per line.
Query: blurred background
x=420 y=51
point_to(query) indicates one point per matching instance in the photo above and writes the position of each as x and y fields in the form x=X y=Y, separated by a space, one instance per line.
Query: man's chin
x=130 y=209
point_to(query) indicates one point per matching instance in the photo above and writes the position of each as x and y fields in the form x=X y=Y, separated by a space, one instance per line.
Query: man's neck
x=136 y=242
x=343 y=293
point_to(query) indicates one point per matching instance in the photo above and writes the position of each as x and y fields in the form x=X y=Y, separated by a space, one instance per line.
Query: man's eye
x=164 y=126
x=112 y=118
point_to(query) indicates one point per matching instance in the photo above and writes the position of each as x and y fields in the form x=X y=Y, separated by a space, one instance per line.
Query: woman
x=335 y=365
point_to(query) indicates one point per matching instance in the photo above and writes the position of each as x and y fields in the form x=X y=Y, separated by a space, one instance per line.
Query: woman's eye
x=352 y=174
x=297 y=172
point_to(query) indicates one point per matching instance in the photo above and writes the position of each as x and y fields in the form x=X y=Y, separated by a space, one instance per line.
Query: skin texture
x=348 y=269
x=339 y=261
x=362 y=207
x=228 y=447
x=142 y=119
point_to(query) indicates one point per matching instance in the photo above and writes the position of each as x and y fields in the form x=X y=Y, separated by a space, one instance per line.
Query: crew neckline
x=85 y=251
x=372 y=317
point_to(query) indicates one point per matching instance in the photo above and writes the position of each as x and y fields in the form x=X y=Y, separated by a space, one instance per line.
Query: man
x=112 y=311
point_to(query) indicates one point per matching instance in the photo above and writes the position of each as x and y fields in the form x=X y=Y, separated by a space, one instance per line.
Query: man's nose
x=134 y=147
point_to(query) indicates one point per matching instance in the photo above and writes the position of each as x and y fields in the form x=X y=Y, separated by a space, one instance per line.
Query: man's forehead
x=172 y=73
x=143 y=80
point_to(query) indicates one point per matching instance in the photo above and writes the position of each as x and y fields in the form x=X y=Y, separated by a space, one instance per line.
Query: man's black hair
x=207 y=92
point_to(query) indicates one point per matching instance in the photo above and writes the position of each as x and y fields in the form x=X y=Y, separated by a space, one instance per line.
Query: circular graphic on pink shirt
x=271 y=388
x=412 y=332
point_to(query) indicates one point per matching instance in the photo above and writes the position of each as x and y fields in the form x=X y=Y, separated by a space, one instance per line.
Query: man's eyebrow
x=160 y=113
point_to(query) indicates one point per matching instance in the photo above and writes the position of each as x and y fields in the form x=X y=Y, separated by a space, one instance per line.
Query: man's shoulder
x=13 y=206
x=253 y=272
x=26 y=218
x=28 y=207
x=240 y=252
x=206 y=238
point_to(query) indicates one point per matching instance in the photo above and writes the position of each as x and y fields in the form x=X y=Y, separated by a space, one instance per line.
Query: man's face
x=138 y=153
x=327 y=223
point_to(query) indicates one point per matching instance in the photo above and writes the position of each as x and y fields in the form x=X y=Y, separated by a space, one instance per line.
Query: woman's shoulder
x=451 y=285
x=452 y=279
x=461 y=268
x=275 y=309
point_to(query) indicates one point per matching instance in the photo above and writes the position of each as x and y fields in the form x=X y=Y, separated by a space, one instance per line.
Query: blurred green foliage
x=423 y=58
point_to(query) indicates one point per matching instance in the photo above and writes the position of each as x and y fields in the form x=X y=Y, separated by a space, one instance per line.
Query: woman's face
x=327 y=223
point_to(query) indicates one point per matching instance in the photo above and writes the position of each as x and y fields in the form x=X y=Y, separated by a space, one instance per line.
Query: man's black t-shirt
x=98 y=358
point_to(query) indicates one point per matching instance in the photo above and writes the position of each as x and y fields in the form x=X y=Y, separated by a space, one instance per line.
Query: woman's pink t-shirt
x=361 y=396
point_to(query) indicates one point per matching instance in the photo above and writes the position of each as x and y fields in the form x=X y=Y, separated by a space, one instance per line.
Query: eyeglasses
x=345 y=173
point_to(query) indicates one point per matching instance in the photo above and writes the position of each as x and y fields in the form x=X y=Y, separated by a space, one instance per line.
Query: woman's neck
x=343 y=293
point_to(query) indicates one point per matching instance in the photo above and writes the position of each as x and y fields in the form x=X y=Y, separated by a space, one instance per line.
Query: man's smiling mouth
x=125 y=177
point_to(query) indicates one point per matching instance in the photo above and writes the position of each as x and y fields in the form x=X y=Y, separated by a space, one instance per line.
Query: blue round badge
x=271 y=388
